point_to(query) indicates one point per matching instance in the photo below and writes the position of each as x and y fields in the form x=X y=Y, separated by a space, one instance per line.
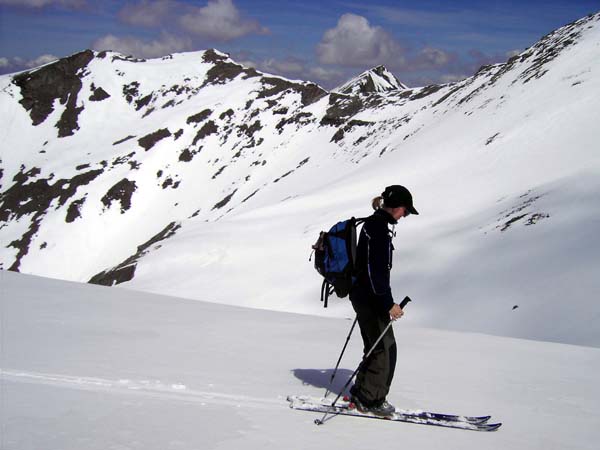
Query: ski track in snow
x=149 y=388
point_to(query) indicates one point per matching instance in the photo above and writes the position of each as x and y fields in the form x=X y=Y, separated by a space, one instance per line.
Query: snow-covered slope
x=193 y=176
x=87 y=367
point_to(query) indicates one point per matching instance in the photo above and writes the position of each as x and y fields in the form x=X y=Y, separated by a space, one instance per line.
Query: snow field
x=91 y=367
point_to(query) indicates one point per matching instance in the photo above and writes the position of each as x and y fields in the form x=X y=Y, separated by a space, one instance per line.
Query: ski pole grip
x=404 y=302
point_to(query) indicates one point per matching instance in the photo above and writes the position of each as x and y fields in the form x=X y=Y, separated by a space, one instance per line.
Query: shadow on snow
x=321 y=378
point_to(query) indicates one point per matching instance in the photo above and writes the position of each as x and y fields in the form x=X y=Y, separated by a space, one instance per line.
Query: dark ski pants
x=374 y=379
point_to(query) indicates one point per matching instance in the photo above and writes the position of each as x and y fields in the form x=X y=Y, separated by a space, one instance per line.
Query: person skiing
x=372 y=299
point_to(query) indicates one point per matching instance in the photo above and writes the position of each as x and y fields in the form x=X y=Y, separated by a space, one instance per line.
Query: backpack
x=335 y=258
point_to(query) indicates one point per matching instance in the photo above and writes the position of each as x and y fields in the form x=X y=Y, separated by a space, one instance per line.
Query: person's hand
x=396 y=312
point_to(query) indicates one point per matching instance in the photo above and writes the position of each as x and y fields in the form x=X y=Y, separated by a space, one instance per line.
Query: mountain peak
x=377 y=79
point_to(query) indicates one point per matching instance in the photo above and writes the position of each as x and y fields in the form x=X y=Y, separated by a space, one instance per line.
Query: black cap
x=396 y=195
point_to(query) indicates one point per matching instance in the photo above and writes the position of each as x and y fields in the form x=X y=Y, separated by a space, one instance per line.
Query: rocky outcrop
x=60 y=80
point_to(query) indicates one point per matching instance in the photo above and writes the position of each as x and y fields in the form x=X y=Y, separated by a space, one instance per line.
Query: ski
x=345 y=404
x=344 y=407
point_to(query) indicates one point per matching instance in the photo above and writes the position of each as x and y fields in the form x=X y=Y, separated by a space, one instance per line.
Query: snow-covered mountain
x=378 y=79
x=194 y=176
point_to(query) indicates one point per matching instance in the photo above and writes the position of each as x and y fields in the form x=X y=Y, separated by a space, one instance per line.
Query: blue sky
x=328 y=42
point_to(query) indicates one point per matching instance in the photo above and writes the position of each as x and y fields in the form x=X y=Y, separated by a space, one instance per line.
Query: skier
x=372 y=299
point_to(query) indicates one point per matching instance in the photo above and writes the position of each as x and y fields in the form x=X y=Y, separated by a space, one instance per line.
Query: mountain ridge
x=181 y=167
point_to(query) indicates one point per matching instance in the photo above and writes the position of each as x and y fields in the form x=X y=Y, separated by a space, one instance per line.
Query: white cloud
x=41 y=3
x=434 y=57
x=147 y=13
x=15 y=64
x=355 y=43
x=322 y=74
x=287 y=66
x=219 y=20
x=142 y=49
x=40 y=61
x=429 y=58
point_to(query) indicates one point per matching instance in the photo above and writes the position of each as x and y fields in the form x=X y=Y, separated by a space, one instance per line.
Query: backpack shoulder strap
x=326 y=291
x=359 y=220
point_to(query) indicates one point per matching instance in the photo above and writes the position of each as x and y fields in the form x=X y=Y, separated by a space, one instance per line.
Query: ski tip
x=478 y=419
x=490 y=426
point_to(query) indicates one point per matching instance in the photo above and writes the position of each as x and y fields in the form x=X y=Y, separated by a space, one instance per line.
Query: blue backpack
x=335 y=258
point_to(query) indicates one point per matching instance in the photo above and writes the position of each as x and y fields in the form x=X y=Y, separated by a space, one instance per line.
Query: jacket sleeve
x=379 y=253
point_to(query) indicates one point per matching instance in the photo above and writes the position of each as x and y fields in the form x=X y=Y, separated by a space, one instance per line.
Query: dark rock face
x=34 y=199
x=24 y=198
x=99 y=94
x=227 y=114
x=223 y=70
x=300 y=119
x=186 y=155
x=122 y=193
x=120 y=141
x=223 y=202
x=339 y=135
x=200 y=117
x=212 y=56
x=144 y=101
x=209 y=128
x=150 y=140
x=341 y=108
x=74 y=210
x=426 y=91
x=131 y=90
x=57 y=81
x=126 y=270
x=310 y=92
x=250 y=130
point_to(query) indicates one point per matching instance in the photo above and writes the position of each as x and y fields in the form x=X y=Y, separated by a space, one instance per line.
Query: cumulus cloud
x=75 y=4
x=164 y=45
x=286 y=66
x=325 y=75
x=41 y=60
x=16 y=64
x=355 y=43
x=219 y=20
x=432 y=57
x=147 y=13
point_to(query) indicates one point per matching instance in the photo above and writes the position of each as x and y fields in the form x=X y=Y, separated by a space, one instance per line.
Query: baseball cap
x=396 y=195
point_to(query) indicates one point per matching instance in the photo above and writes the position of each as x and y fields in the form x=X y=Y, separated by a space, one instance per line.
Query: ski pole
x=340 y=358
x=322 y=420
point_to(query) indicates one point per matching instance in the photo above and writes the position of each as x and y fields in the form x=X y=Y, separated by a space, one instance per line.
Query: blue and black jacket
x=374 y=262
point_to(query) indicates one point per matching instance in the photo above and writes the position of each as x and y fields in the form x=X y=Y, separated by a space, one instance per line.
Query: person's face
x=400 y=212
